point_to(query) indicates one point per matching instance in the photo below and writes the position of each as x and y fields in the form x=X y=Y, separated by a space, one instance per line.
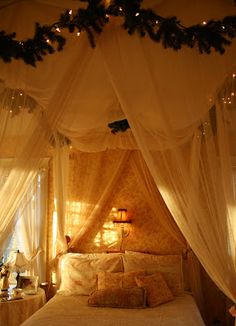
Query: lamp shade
x=121 y=216
x=18 y=263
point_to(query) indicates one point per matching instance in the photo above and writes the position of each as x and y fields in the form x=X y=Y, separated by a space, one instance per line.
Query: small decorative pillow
x=158 y=291
x=106 y=280
x=118 y=298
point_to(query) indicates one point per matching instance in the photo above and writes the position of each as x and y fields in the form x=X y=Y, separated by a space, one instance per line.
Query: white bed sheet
x=73 y=310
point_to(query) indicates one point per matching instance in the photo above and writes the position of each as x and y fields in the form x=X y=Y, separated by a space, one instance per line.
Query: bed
x=73 y=310
x=90 y=283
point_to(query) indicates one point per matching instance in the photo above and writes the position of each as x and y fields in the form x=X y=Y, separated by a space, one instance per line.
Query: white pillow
x=78 y=271
x=169 y=265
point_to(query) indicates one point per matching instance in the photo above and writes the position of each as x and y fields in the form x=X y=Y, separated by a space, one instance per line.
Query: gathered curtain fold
x=60 y=173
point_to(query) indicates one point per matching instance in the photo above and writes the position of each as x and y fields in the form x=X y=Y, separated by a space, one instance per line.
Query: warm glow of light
x=109 y=235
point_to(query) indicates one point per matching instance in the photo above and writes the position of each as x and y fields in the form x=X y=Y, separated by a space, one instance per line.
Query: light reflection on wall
x=109 y=236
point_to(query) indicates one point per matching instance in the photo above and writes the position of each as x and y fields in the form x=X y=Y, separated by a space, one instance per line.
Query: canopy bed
x=180 y=107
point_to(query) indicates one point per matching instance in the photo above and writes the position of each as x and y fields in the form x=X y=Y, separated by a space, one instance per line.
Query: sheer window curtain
x=31 y=224
x=187 y=154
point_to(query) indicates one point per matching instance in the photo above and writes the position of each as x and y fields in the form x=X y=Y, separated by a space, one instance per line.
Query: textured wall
x=145 y=232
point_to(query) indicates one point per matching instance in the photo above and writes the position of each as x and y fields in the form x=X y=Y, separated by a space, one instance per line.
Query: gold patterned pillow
x=158 y=291
x=106 y=280
x=118 y=298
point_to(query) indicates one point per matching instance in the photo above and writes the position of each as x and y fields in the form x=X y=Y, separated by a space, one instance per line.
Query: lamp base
x=17 y=280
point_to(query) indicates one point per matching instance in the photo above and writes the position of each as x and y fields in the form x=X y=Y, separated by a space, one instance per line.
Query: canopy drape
x=187 y=154
x=179 y=107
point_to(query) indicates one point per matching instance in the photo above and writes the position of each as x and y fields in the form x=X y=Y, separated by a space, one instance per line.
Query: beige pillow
x=79 y=271
x=157 y=289
x=118 y=298
x=169 y=265
x=106 y=280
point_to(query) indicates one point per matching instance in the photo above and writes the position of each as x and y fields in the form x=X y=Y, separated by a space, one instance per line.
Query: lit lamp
x=122 y=219
x=19 y=264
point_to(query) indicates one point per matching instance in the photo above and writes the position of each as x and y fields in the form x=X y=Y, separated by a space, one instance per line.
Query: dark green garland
x=214 y=34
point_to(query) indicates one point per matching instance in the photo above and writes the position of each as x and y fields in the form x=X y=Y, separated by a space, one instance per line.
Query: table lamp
x=19 y=264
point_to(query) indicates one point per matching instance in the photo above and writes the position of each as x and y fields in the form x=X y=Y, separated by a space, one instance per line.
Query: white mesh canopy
x=179 y=106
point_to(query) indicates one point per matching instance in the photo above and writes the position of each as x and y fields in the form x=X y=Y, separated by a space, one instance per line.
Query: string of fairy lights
x=169 y=32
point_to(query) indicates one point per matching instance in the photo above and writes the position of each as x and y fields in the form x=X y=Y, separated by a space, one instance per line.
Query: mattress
x=73 y=310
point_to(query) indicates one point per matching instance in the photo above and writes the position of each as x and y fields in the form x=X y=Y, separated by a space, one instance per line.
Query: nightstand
x=15 y=312
x=49 y=288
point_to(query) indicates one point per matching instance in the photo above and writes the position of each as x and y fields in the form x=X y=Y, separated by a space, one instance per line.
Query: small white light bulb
x=70 y=12
x=204 y=22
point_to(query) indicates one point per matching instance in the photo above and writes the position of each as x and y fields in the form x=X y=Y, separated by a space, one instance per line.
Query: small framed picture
x=29 y=284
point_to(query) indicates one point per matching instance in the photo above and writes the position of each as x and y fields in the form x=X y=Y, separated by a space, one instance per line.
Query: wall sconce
x=121 y=219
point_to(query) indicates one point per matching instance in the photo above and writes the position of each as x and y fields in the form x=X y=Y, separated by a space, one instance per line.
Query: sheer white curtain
x=32 y=101
x=31 y=224
x=153 y=197
x=60 y=178
x=185 y=150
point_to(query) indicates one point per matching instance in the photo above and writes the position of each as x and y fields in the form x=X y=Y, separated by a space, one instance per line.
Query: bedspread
x=73 y=310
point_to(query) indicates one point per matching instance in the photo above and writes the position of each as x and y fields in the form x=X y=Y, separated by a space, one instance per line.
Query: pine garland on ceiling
x=206 y=36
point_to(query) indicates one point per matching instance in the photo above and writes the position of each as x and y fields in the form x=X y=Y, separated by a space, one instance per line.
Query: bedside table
x=15 y=312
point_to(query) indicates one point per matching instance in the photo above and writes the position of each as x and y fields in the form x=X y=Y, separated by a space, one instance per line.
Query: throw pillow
x=118 y=298
x=158 y=291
